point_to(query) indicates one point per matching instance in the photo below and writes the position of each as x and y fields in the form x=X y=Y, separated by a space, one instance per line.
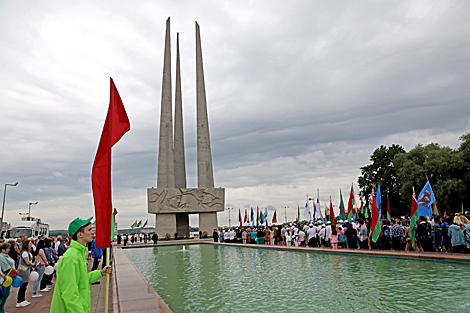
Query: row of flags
x=137 y=225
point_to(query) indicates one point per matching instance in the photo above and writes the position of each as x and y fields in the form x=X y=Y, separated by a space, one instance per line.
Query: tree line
x=397 y=171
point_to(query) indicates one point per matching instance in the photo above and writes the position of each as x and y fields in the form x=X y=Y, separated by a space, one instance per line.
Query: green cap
x=75 y=225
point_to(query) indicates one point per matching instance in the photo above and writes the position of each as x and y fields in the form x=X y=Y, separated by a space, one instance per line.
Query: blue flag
x=425 y=199
x=252 y=219
x=145 y=224
x=378 y=201
x=340 y=211
x=265 y=217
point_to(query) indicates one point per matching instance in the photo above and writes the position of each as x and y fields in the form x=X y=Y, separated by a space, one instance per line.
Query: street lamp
x=229 y=219
x=29 y=211
x=4 y=196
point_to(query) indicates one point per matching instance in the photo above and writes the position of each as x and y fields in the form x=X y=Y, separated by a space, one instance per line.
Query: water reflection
x=211 y=278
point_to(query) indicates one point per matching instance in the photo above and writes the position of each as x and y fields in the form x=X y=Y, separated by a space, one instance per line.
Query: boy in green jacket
x=72 y=289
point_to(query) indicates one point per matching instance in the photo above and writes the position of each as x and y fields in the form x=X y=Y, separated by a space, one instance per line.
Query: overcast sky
x=299 y=95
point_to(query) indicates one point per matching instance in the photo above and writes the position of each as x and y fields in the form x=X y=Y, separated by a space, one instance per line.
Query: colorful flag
x=265 y=216
x=298 y=213
x=332 y=213
x=139 y=223
x=274 y=218
x=414 y=218
x=361 y=209
x=252 y=219
x=378 y=200
x=366 y=211
x=134 y=225
x=351 y=205
x=113 y=223
x=145 y=224
x=375 y=224
x=115 y=126
x=341 y=205
x=246 y=217
x=425 y=199
x=388 y=208
x=307 y=211
x=436 y=209
x=239 y=216
x=318 y=208
x=257 y=216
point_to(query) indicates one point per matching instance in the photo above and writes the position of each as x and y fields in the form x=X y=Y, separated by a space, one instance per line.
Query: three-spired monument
x=171 y=201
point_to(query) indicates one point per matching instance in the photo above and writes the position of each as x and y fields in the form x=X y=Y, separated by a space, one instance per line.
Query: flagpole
x=106 y=292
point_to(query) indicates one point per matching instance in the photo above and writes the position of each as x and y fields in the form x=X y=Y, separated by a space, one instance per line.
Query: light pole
x=229 y=219
x=4 y=196
x=285 y=212
x=29 y=211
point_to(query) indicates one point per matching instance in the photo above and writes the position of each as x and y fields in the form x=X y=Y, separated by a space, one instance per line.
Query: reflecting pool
x=227 y=278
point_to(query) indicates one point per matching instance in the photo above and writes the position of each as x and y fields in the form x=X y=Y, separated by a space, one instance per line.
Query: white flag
x=307 y=211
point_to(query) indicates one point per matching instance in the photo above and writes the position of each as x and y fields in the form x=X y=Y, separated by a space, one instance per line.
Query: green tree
x=443 y=167
x=383 y=171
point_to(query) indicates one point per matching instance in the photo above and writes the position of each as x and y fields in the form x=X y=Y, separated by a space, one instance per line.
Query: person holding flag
x=72 y=289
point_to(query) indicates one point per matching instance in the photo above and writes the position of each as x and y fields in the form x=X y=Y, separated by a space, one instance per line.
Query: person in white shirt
x=232 y=236
x=312 y=234
x=226 y=236
x=328 y=233
x=322 y=236
x=301 y=238
x=288 y=239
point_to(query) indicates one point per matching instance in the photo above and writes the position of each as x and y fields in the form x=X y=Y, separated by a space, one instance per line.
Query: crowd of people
x=450 y=233
x=134 y=238
x=19 y=257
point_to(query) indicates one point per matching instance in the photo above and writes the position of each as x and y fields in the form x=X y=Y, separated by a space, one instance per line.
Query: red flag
x=115 y=126
x=389 y=216
x=332 y=213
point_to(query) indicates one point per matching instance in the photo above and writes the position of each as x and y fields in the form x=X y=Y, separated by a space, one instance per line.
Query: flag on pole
x=139 y=223
x=425 y=199
x=115 y=126
x=378 y=200
x=351 y=205
x=414 y=218
x=113 y=223
x=257 y=216
x=307 y=211
x=388 y=209
x=436 y=209
x=274 y=218
x=375 y=227
x=134 y=225
x=341 y=205
x=298 y=213
x=317 y=213
x=332 y=213
x=265 y=216
x=246 y=217
x=252 y=218
x=362 y=205
x=240 y=217
x=145 y=224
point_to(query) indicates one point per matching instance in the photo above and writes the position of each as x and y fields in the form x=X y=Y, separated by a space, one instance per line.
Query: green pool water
x=227 y=278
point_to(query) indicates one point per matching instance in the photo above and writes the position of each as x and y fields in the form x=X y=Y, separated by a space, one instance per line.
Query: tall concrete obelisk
x=180 y=167
x=166 y=163
x=182 y=219
x=205 y=176
x=172 y=201
x=166 y=223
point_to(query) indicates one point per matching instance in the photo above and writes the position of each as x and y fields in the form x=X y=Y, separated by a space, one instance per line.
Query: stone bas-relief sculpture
x=171 y=201
x=185 y=200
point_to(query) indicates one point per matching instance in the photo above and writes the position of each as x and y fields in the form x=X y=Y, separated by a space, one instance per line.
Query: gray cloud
x=299 y=95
